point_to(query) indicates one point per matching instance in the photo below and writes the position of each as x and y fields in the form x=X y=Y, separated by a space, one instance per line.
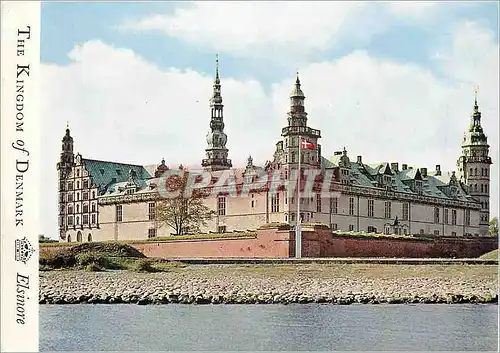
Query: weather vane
x=476 y=88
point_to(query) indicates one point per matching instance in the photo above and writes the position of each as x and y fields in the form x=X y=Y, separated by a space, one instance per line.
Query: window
x=405 y=231
x=221 y=229
x=436 y=214
x=78 y=185
x=77 y=196
x=351 y=206
x=93 y=194
x=119 y=213
x=85 y=208
x=436 y=232
x=318 y=202
x=421 y=231
x=93 y=207
x=292 y=217
x=446 y=221
x=334 y=226
x=151 y=211
x=70 y=185
x=70 y=220
x=387 y=230
x=334 y=205
x=85 y=219
x=78 y=173
x=85 y=196
x=467 y=217
x=70 y=197
x=61 y=198
x=482 y=188
x=253 y=203
x=77 y=220
x=387 y=211
x=351 y=227
x=275 y=202
x=475 y=171
x=285 y=197
x=406 y=211
x=151 y=232
x=221 y=206
x=85 y=184
x=77 y=208
x=371 y=204
x=61 y=185
x=70 y=209
x=93 y=219
x=372 y=229
x=454 y=217
x=79 y=237
x=130 y=191
x=293 y=157
x=486 y=188
x=453 y=234
x=89 y=237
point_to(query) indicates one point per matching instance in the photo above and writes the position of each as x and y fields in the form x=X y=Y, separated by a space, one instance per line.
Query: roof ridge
x=102 y=161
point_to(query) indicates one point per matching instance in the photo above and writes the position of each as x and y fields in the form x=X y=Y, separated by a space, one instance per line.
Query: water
x=268 y=327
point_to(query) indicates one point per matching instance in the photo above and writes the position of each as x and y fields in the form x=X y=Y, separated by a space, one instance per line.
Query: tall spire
x=216 y=151
x=475 y=125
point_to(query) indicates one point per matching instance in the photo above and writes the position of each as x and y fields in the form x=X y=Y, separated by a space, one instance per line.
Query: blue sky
x=66 y=24
x=389 y=81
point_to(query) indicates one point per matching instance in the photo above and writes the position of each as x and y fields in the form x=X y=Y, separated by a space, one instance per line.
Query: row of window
x=484 y=172
x=446 y=218
x=387 y=230
x=70 y=197
x=85 y=185
x=478 y=188
x=79 y=237
x=75 y=220
x=85 y=208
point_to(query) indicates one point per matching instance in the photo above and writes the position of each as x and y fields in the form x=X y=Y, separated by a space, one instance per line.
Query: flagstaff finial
x=67 y=124
x=297 y=80
x=476 y=89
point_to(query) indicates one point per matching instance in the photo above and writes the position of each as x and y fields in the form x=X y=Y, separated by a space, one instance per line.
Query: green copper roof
x=105 y=173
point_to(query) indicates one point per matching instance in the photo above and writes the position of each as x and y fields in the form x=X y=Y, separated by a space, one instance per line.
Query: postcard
x=249 y=176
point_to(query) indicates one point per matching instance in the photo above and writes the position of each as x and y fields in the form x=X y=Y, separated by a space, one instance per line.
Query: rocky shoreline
x=191 y=287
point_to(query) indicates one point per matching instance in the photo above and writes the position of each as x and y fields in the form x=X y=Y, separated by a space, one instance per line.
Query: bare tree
x=182 y=213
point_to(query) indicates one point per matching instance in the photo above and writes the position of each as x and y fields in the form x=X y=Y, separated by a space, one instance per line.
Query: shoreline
x=276 y=284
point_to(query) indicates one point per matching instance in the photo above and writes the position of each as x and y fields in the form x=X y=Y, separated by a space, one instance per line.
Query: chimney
x=394 y=167
x=360 y=160
x=438 y=169
x=423 y=171
x=404 y=166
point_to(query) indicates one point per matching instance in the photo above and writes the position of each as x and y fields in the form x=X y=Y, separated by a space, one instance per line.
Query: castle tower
x=474 y=166
x=216 y=151
x=64 y=166
x=297 y=127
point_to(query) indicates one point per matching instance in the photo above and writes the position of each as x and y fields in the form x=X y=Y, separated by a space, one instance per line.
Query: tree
x=494 y=227
x=182 y=213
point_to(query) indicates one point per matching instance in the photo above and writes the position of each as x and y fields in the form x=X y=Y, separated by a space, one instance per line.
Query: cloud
x=122 y=107
x=267 y=29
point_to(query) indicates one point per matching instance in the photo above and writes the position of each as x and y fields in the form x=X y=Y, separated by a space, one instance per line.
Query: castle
x=100 y=200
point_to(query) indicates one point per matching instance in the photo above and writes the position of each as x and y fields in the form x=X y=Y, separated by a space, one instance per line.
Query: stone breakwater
x=72 y=287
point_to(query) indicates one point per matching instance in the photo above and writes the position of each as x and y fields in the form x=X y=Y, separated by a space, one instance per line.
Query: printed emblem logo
x=24 y=250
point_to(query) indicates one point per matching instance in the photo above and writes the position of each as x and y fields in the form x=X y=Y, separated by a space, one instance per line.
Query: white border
x=18 y=334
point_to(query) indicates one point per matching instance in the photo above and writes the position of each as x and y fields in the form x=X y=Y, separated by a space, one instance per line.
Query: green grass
x=492 y=255
x=197 y=236
x=380 y=235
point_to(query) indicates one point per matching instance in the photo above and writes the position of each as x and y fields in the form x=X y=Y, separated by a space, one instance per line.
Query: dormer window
x=130 y=191
x=119 y=172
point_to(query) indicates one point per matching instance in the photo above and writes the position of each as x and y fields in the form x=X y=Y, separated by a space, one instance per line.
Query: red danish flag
x=307 y=145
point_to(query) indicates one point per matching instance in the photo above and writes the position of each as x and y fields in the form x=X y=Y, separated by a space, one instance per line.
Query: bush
x=85 y=259
x=144 y=266
x=57 y=260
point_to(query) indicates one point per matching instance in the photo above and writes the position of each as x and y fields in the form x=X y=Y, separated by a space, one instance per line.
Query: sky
x=391 y=81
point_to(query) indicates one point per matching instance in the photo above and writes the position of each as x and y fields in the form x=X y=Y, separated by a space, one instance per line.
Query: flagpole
x=298 y=233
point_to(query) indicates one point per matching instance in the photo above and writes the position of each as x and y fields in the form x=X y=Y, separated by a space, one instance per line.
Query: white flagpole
x=298 y=233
